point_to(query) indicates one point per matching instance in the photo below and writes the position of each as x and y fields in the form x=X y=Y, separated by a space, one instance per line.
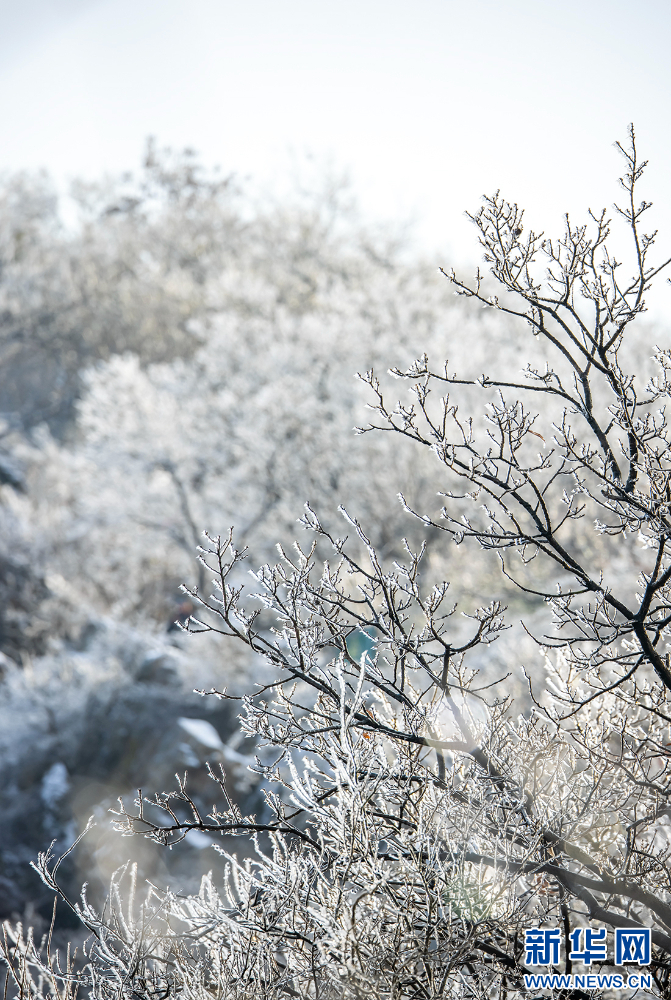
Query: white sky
x=428 y=104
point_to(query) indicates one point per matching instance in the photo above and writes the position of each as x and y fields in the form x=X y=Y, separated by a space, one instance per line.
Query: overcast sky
x=427 y=104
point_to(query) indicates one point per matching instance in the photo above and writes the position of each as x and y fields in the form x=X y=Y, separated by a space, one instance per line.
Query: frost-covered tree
x=234 y=416
x=415 y=824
